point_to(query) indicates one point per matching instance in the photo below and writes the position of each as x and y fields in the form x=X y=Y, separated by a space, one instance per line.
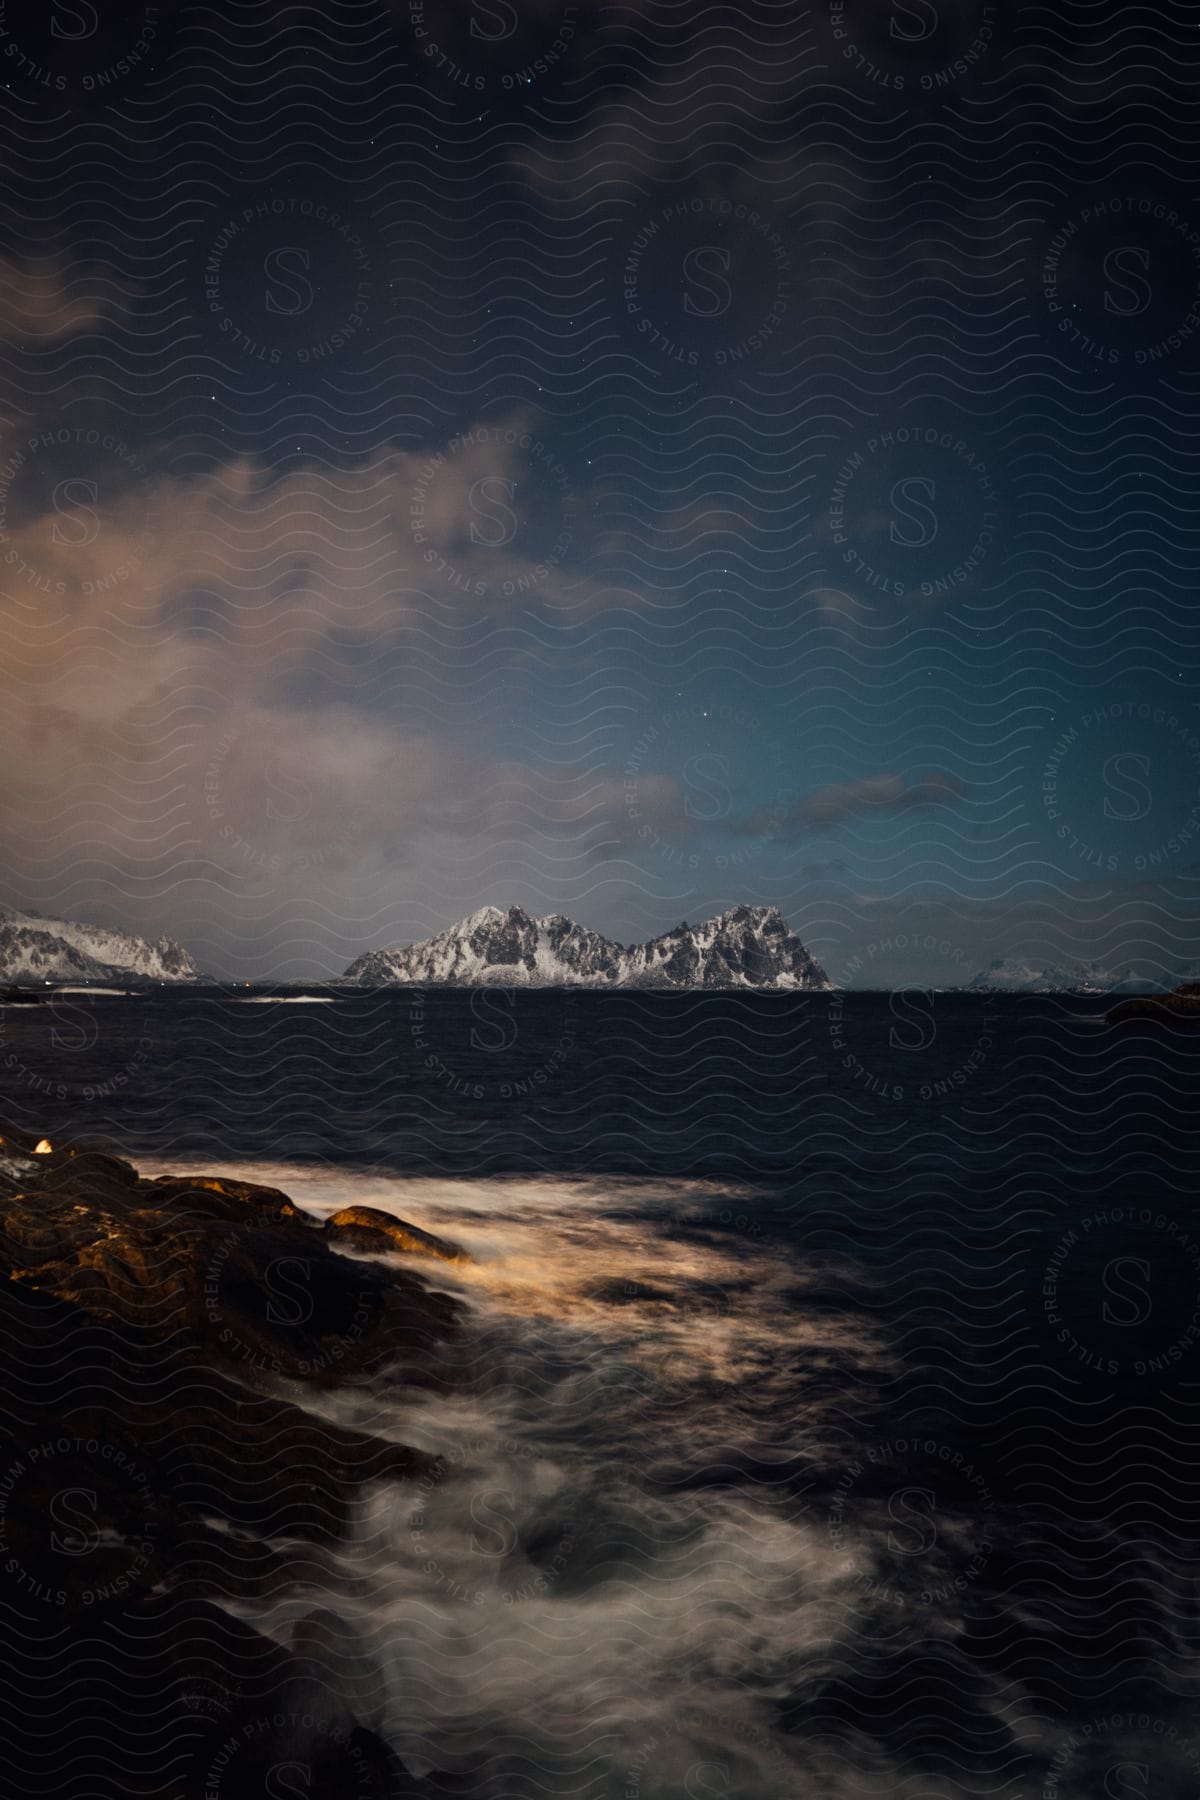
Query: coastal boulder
x=151 y=1480
x=232 y=1273
x=368 y=1228
x=210 y=1197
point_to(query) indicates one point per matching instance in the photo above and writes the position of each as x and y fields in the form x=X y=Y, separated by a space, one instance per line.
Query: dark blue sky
x=620 y=463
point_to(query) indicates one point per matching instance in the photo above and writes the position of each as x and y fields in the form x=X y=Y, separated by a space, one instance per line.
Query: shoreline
x=179 y=1474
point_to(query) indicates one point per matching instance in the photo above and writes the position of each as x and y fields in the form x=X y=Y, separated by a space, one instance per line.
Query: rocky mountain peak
x=745 y=946
x=33 y=949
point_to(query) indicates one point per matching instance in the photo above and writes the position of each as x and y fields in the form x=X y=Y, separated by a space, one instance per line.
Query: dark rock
x=230 y=1270
x=507 y=943
x=206 y=1196
x=1181 y=1007
x=367 y=1228
x=144 y=1490
x=583 y=953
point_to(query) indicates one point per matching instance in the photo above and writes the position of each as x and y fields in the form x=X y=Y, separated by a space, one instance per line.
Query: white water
x=574 y=1606
x=281 y=1000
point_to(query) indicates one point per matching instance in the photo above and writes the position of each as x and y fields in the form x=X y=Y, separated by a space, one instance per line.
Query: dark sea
x=827 y=1420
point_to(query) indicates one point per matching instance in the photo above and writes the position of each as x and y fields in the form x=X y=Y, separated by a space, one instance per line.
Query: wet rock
x=156 y=1471
x=228 y=1270
x=207 y=1197
x=367 y=1228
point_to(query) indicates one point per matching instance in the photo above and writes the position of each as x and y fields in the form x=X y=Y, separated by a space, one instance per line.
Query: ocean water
x=824 y=1419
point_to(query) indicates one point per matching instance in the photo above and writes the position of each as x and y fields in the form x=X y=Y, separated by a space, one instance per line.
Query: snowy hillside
x=748 y=946
x=1017 y=975
x=35 y=949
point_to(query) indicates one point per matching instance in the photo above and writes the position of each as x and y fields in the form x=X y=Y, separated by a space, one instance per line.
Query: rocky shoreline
x=160 y=1469
x=1180 y=1007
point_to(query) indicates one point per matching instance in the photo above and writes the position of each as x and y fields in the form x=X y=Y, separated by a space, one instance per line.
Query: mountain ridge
x=33 y=949
x=743 y=947
x=1022 y=975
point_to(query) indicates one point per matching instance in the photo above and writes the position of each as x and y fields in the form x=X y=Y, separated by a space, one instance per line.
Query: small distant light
x=43 y=1147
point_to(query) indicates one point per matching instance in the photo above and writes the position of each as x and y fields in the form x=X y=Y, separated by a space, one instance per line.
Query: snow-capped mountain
x=746 y=947
x=34 y=949
x=1015 y=975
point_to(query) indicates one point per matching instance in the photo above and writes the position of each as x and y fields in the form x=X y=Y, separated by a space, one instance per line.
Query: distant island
x=1022 y=975
x=33 y=949
x=745 y=947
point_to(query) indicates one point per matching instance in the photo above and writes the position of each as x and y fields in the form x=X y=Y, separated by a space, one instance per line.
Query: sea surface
x=826 y=1419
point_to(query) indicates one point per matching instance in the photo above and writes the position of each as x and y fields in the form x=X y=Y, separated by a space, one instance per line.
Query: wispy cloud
x=49 y=297
x=842 y=800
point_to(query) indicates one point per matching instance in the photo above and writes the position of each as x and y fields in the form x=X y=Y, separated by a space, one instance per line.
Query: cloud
x=697 y=113
x=158 y=631
x=249 y=572
x=869 y=796
x=495 y=514
x=44 y=298
x=636 y=143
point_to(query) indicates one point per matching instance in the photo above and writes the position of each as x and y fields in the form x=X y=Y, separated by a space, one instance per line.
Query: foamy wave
x=626 y=1561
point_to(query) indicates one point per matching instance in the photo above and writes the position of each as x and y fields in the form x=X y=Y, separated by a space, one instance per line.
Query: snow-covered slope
x=33 y=949
x=1016 y=975
x=746 y=947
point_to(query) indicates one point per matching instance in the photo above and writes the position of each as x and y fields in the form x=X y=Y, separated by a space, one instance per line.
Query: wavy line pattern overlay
x=625 y=459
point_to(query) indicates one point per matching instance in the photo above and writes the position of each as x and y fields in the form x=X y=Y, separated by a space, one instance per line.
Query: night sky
x=624 y=459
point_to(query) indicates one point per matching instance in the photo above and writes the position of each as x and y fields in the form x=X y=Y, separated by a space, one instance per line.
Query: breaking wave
x=670 y=1543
